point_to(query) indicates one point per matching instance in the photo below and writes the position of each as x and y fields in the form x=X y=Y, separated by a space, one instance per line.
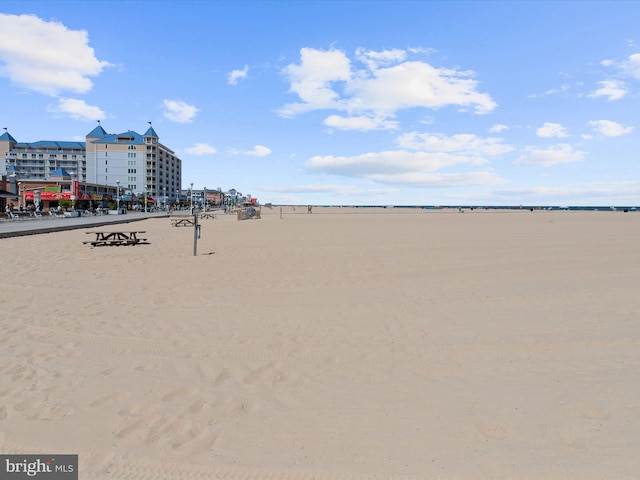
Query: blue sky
x=345 y=102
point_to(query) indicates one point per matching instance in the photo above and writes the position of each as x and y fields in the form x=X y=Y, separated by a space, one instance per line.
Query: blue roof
x=126 y=137
x=151 y=133
x=97 y=132
x=7 y=136
x=52 y=145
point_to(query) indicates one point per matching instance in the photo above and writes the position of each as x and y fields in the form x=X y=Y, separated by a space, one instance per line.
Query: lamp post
x=19 y=195
x=204 y=199
x=191 y=197
x=118 y=195
x=177 y=197
x=146 y=200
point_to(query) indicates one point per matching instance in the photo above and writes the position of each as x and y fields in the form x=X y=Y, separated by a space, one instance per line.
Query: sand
x=346 y=343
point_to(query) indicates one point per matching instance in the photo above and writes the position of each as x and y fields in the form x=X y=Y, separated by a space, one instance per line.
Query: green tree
x=65 y=203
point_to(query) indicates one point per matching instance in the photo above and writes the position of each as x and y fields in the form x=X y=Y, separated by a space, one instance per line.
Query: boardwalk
x=36 y=226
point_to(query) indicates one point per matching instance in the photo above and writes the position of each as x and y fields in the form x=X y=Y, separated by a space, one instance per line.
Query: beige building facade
x=136 y=165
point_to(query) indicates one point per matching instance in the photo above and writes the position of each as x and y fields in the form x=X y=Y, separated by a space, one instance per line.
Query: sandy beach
x=346 y=343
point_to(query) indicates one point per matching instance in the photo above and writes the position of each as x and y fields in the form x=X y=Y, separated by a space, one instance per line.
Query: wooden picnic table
x=115 y=239
x=207 y=215
x=182 y=221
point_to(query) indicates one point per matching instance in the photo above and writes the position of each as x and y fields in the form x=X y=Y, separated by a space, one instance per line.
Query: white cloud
x=311 y=80
x=201 y=149
x=552 y=130
x=386 y=84
x=441 y=180
x=553 y=155
x=612 y=89
x=46 y=57
x=605 y=191
x=554 y=91
x=403 y=169
x=337 y=189
x=631 y=66
x=417 y=84
x=608 y=128
x=236 y=75
x=360 y=123
x=178 y=111
x=78 y=109
x=466 y=144
x=374 y=60
x=257 y=151
x=497 y=128
x=387 y=163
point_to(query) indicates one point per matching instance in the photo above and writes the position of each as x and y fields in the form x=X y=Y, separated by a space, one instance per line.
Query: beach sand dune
x=347 y=343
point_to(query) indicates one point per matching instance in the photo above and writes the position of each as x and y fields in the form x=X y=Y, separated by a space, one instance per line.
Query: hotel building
x=139 y=164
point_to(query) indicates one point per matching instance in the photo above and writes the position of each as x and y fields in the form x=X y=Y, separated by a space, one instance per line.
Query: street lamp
x=191 y=197
x=118 y=195
x=19 y=195
x=204 y=199
x=177 y=197
x=146 y=200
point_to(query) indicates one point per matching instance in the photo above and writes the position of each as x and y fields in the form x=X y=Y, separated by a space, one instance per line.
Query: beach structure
x=135 y=164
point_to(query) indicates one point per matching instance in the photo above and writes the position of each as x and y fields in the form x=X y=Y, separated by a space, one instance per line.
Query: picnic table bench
x=115 y=239
x=207 y=215
x=182 y=221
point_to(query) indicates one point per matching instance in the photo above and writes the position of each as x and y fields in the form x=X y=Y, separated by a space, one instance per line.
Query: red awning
x=55 y=196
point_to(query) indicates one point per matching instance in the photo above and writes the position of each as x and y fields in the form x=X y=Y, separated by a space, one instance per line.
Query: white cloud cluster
x=552 y=130
x=259 y=151
x=78 y=109
x=46 y=57
x=419 y=160
x=362 y=123
x=497 y=128
x=608 y=128
x=235 y=75
x=553 y=155
x=611 y=89
x=631 y=66
x=256 y=151
x=386 y=83
x=178 y=111
x=201 y=149
x=463 y=143
x=623 y=191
